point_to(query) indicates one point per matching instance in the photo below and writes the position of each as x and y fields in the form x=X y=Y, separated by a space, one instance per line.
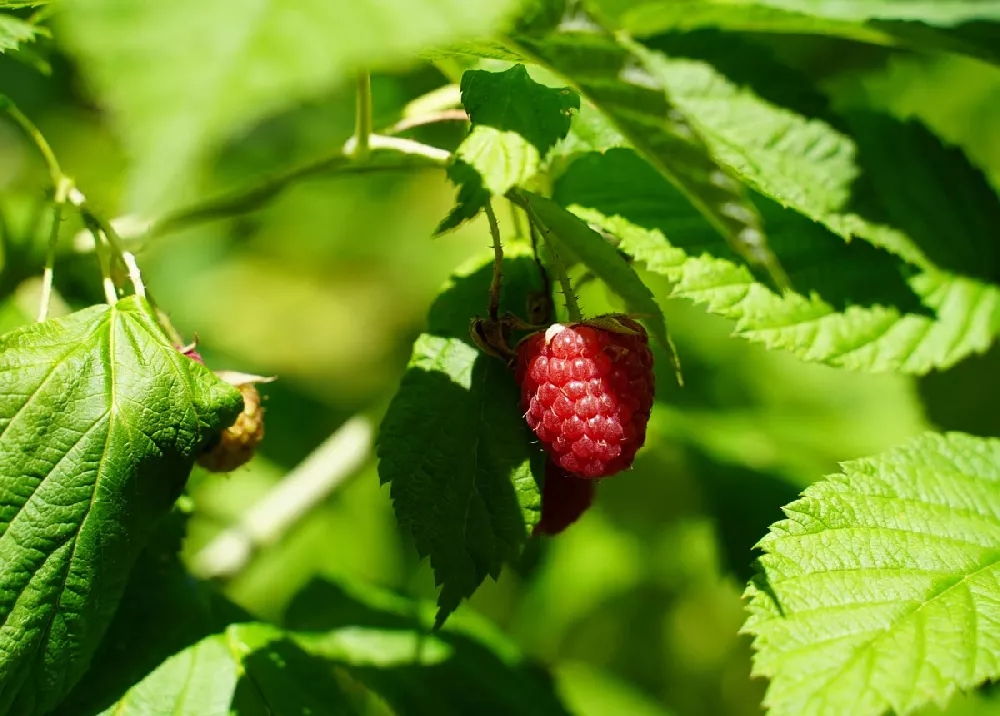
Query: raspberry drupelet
x=587 y=391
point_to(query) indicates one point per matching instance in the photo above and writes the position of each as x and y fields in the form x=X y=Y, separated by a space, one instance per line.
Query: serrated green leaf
x=182 y=76
x=472 y=196
x=100 y=422
x=462 y=474
x=515 y=123
x=603 y=260
x=646 y=18
x=856 y=306
x=766 y=123
x=135 y=644
x=511 y=101
x=611 y=72
x=503 y=159
x=880 y=590
x=792 y=149
x=248 y=668
x=381 y=639
x=14 y=32
x=934 y=12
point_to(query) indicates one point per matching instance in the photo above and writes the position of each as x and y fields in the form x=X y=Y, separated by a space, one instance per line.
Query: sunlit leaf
x=100 y=422
x=880 y=590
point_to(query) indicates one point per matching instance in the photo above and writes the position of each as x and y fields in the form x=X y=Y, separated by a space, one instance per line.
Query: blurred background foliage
x=636 y=608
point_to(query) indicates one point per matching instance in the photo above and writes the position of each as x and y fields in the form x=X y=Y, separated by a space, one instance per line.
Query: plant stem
x=497 y=284
x=400 y=145
x=55 y=172
x=565 y=285
x=62 y=191
x=243 y=201
x=445 y=115
x=363 y=117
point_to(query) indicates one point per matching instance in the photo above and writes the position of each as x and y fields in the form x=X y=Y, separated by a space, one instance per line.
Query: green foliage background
x=637 y=608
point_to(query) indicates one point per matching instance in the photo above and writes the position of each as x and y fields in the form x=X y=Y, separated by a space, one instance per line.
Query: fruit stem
x=497 y=284
x=62 y=191
x=565 y=285
x=546 y=284
x=363 y=117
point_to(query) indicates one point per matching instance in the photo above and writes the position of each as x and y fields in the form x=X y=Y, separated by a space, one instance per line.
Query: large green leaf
x=766 y=123
x=612 y=73
x=889 y=182
x=881 y=589
x=136 y=644
x=381 y=640
x=181 y=76
x=935 y=12
x=645 y=18
x=100 y=422
x=855 y=305
x=249 y=668
x=454 y=446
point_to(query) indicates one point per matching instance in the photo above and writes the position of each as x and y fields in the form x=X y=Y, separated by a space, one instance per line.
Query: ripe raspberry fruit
x=565 y=497
x=587 y=391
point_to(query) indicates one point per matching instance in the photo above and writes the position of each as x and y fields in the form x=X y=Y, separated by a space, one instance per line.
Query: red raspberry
x=587 y=391
x=565 y=497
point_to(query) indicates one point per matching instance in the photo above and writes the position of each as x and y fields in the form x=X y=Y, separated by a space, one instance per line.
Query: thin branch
x=247 y=200
x=363 y=116
x=329 y=466
x=55 y=172
x=496 y=285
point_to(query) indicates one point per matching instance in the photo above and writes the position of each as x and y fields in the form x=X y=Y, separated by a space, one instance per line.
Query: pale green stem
x=363 y=117
x=48 y=277
x=242 y=201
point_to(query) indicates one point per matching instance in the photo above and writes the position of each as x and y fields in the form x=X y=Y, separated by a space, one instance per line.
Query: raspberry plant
x=624 y=160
